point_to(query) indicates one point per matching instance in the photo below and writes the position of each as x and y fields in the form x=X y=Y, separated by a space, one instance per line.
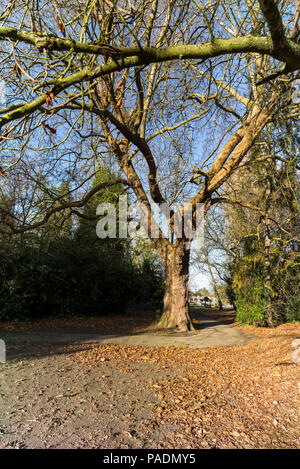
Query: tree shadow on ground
x=19 y=352
x=109 y=327
x=204 y=317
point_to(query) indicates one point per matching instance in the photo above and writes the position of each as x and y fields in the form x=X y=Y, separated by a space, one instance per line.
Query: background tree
x=262 y=229
x=60 y=224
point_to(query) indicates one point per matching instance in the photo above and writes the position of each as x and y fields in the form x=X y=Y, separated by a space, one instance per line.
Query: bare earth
x=79 y=389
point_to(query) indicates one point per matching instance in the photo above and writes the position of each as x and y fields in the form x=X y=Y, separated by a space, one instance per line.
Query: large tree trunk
x=176 y=308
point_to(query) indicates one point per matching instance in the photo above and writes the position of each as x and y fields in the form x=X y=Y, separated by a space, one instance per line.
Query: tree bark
x=220 y=304
x=176 y=308
x=267 y=261
x=268 y=308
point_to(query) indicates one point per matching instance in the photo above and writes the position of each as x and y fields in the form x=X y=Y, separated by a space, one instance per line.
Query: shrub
x=251 y=302
x=72 y=278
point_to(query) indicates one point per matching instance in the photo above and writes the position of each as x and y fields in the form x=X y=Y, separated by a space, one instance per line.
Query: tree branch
x=274 y=20
x=66 y=205
x=217 y=200
x=135 y=57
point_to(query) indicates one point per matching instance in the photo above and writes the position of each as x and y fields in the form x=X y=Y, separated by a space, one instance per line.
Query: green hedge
x=250 y=302
x=72 y=278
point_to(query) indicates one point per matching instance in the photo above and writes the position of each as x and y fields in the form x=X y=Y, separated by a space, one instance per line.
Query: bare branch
x=274 y=20
x=66 y=205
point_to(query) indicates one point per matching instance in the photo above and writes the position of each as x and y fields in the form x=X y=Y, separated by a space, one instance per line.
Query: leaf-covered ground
x=116 y=396
x=115 y=323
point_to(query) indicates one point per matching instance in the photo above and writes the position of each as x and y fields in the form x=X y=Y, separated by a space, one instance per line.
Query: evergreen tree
x=86 y=229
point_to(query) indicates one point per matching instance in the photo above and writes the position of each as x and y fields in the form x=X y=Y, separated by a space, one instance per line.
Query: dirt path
x=96 y=395
x=211 y=334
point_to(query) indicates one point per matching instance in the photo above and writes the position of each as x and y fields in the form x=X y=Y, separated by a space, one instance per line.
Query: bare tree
x=147 y=82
